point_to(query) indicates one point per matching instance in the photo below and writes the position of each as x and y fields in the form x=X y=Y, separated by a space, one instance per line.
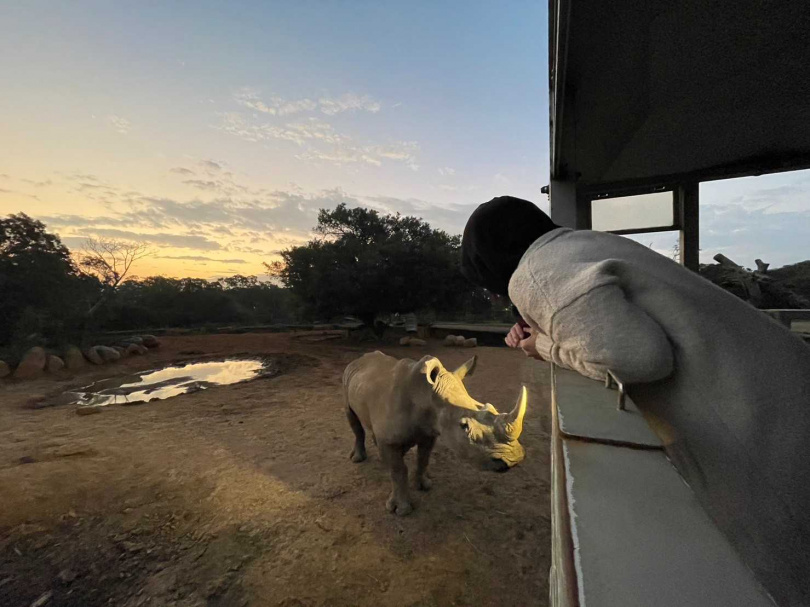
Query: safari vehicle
x=648 y=100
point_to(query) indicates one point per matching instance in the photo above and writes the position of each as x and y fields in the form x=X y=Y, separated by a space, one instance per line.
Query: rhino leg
x=399 y=501
x=358 y=454
x=425 y=447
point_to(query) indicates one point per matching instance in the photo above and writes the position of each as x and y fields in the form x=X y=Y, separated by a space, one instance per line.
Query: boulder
x=460 y=340
x=121 y=350
x=74 y=359
x=135 y=339
x=134 y=350
x=5 y=370
x=32 y=364
x=93 y=355
x=150 y=341
x=404 y=341
x=450 y=340
x=142 y=349
x=109 y=355
x=54 y=364
x=472 y=342
x=415 y=341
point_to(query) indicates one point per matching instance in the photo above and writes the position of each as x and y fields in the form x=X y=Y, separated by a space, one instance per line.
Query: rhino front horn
x=514 y=419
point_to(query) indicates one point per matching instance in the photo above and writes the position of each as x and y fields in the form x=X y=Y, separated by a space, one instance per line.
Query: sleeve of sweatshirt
x=595 y=327
x=602 y=330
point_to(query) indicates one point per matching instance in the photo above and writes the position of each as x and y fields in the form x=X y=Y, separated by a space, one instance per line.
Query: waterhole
x=160 y=384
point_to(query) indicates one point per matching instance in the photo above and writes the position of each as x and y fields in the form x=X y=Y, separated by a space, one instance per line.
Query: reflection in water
x=165 y=383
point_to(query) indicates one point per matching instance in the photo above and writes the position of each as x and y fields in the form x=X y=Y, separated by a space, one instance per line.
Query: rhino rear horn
x=514 y=419
x=467 y=368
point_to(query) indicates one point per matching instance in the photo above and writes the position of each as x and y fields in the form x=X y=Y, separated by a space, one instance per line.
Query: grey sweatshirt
x=726 y=387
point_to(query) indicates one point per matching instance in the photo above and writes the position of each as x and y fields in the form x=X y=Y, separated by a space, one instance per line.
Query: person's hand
x=515 y=336
x=529 y=345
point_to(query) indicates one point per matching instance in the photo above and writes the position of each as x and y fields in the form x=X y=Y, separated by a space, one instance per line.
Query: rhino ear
x=431 y=367
x=467 y=368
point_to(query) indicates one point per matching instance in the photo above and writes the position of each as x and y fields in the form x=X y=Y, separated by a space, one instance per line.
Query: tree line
x=360 y=263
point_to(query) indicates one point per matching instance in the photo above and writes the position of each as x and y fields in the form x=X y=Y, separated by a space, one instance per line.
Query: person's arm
x=603 y=330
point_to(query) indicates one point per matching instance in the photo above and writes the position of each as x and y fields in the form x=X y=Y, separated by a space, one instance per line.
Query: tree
x=39 y=282
x=367 y=264
x=110 y=260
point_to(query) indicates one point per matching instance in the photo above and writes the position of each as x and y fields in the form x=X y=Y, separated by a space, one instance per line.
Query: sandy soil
x=244 y=495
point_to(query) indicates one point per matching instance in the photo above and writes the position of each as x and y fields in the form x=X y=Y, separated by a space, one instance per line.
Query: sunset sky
x=215 y=131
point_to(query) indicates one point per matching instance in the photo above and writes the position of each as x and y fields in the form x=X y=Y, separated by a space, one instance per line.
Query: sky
x=215 y=131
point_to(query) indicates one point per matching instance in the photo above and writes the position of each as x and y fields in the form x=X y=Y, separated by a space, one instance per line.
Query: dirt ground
x=245 y=495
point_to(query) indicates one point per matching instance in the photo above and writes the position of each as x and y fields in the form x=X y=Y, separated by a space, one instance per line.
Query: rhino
x=406 y=403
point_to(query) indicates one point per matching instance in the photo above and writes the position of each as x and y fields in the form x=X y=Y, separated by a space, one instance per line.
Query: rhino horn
x=467 y=368
x=514 y=419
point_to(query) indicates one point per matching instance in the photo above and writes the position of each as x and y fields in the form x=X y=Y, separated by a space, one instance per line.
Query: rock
x=404 y=341
x=109 y=355
x=450 y=340
x=121 y=350
x=43 y=599
x=415 y=341
x=150 y=341
x=142 y=349
x=66 y=576
x=472 y=342
x=32 y=364
x=88 y=410
x=5 y=370
x=54 y=364
x=74 y=359
x=460 y=340
x=36 y=402
x=135 y=339
x=134 y=350
x=94 y=356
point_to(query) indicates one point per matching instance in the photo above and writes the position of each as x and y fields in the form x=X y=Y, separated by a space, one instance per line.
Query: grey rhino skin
x=406 y=403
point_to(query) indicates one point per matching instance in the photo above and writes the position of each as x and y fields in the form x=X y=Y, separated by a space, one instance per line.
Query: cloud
x=299 y=133
x=211 y=165
x=202 y=184
x=278 y=106
x=321 y=142
x=743 y=234
x=15 y=193
x=38 y=184
x=175 y=240
x=180 y=241
x=82 y=177
x=781 y=198
x=122 y=125
x=447 y=172
x=200 y=258
x=348 y=103
x=403 y=151
x=82 y=221
x=449 y=217
x=181 y=171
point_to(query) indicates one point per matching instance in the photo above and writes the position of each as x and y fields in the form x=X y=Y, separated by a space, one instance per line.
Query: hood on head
x=496 y=237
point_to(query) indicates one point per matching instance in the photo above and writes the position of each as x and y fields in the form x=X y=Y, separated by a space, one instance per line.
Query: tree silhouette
x=367 y=264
